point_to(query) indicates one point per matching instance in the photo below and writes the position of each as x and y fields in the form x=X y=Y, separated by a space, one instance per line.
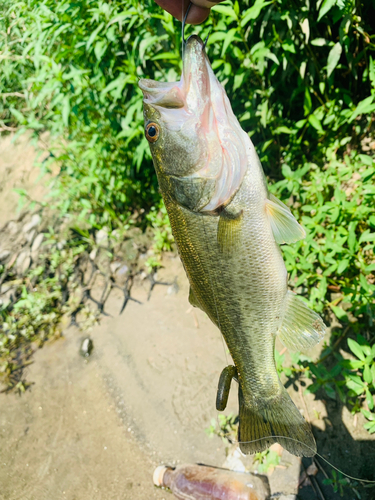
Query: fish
x=228 y=229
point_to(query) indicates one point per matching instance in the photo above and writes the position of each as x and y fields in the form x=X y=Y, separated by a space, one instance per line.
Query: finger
x=197 y=13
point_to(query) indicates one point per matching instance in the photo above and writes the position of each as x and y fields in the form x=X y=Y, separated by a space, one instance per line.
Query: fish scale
x=228 y=228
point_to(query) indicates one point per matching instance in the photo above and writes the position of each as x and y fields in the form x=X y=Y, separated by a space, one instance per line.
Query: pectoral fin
x=301 y=328
x=229 y=231
x=285 y=227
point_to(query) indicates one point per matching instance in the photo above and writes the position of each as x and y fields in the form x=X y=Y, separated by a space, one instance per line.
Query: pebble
x=37 y=242
x=114 y=266
x=60 y=245
x=4 y=254
x=12 y=228
x=35 y=221
x=30 y=236
x=93 y=254
x=122 y=271
x=101 y=237
x=86 y=347
x=23 y=262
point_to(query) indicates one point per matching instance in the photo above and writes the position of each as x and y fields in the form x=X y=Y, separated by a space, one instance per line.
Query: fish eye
x=152 y=132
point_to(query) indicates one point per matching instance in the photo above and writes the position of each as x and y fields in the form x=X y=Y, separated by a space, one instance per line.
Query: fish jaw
x=200 y=138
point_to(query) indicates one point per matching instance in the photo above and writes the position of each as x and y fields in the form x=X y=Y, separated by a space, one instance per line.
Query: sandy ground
x=96 y=428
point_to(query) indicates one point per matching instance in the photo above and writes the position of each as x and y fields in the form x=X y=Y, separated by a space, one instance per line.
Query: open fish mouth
x=198 y=103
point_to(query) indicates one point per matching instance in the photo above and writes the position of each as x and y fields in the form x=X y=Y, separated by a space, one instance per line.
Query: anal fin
x=284 y=226
x=301 y=328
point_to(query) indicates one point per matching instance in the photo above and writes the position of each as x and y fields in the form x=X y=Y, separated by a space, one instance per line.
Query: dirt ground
x=97 y=428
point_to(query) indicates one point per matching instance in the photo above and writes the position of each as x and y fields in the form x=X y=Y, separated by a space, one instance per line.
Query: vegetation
x=301 y=79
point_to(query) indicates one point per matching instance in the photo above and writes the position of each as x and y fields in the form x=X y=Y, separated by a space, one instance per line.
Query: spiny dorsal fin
x=285 y=227
x=301 y=328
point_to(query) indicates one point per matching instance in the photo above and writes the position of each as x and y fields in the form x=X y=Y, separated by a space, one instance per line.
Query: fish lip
x=193 y=38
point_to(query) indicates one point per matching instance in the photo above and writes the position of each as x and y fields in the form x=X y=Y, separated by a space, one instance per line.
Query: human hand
x=198 y=12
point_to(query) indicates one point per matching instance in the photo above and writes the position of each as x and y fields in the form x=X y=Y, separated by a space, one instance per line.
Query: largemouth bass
x=228 y=228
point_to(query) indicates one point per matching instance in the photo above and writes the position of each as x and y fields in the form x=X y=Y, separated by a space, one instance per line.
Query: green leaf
x=356 y=349
x=367 y=374
x=342 y=266
x=368 y=414
x=333 y=58
x=93 y=35
x=65 y=112
x=319 y=42
x=326 y=7
x=339 y=313
x=364 y=107
x=369 y=400
x=313 y=120
x=225 y=11
x=253 y=12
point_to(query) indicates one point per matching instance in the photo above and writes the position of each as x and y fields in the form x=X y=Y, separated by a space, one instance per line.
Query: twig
x=313 y=480
x=12 y=94
x=8 y=129
x=320 y=467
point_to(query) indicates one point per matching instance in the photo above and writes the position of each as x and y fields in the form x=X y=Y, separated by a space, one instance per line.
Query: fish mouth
x=191 y=89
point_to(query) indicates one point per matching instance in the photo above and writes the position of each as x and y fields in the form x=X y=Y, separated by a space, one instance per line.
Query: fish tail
x=275 y=420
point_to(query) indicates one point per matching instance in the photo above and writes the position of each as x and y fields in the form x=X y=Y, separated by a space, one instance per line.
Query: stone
x=23 y=262
x=37 y=242
x=60 y=245
x=4 y=254
x=30 y=236
x=12 y=227
x=114 y=266
x=101 y=237
x=34 y=222
x=122 y=271
x=87 y=346
x=93 y=253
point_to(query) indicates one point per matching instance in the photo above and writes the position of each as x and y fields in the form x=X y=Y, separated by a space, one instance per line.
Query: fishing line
x=315 y=453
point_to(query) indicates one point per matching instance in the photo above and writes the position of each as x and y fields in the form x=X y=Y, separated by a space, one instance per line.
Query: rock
x=122 y=272
x=60 y=245
x=93 y=253
x=288 y=497
x=101 y=237
x=30 y=236
x=114 y=266
x=4 y=254
x=86 y=347
x=37 y=242
x=34 y=222
x=12 y=227
x=23 y=262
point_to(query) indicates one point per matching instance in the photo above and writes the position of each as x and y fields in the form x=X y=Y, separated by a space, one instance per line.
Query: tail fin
x=277 y=417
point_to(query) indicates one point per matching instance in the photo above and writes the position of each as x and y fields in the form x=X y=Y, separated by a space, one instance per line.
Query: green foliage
x=267 y=460
x=340 y=483
x=225 y=427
